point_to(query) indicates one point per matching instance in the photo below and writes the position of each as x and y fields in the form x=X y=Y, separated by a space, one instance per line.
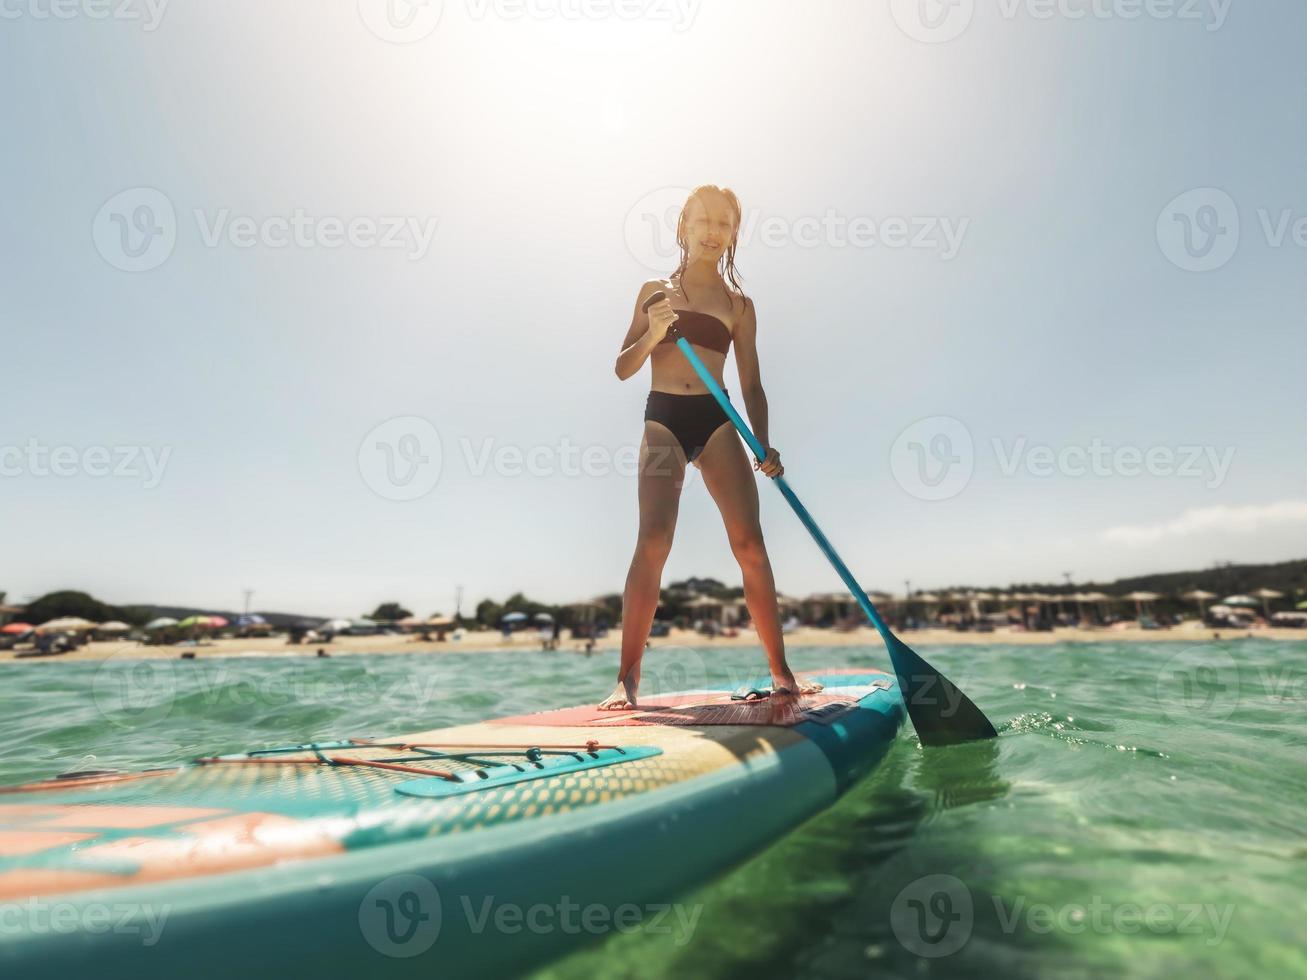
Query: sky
x=322 y=301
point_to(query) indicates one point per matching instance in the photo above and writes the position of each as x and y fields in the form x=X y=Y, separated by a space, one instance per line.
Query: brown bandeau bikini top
x=700 y=329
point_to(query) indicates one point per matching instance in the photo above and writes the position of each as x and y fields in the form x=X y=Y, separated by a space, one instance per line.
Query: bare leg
x=662 y=471
x=730 y=479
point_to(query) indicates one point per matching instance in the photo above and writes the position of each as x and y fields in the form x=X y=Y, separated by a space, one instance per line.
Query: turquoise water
x=1140 y=815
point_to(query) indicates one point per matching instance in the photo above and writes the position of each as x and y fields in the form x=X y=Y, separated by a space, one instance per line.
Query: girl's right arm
x=646 y=332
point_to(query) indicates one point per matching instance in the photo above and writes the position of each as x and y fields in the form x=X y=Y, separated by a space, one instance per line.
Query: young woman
x=684 y=424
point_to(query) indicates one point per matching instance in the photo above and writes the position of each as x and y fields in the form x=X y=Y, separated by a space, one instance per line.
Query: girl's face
x=709 y=228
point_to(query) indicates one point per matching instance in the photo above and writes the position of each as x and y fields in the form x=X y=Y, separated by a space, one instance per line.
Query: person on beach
x=684 y=424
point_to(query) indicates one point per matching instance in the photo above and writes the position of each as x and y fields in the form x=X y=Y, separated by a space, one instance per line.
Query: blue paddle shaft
x=760 y=451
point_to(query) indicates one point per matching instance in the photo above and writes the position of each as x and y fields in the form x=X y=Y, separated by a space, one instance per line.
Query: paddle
x=940 y=712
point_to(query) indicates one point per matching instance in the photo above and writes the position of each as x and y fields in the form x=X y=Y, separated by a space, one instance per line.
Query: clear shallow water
x=1141 y=813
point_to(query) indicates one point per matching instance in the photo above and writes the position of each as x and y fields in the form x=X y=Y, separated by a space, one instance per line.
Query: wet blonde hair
x=726 y=264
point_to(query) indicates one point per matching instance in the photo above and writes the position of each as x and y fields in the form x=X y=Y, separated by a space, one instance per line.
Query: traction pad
x=710 y=708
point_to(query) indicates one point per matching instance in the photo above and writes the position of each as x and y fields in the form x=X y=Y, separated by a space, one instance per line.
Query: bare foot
x=784 y=684
x=622 y=698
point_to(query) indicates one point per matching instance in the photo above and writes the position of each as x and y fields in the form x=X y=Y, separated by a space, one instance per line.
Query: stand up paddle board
x=480 y=850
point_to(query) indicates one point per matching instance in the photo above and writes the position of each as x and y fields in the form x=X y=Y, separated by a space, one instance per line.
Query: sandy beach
x=493 y=642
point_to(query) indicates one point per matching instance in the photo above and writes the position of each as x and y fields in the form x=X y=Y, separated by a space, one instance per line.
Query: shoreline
x=529 y=643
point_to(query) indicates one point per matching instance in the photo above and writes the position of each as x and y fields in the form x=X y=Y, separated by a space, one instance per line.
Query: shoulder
x=746 y=322
x=651 y=286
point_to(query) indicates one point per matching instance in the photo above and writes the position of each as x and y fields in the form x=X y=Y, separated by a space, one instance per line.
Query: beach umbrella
x=543 y=617
x=1266 y=595
x=1242 y=601
x=441 y=621
x=1140 y=599
x=163 y=622
x=927 y=599
x=1199 y=596
x=251 y=619
x=1301 y=605
x=335 y=625
x=1098 y=599
x=67 y=624
x=216 y=622
x=513 y=617
x=17 y=629
x=114 y=626
x=411 y=621
x=194 y=622
x=978 y=600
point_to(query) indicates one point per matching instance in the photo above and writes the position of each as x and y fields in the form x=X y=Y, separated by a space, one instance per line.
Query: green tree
x=57 y=605
x=390 y=611
x=488 y=612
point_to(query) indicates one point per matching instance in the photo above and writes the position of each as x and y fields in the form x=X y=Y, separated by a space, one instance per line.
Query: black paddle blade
x=941 y=714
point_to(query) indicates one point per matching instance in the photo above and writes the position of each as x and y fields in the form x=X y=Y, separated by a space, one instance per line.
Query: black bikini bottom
x=691 y=418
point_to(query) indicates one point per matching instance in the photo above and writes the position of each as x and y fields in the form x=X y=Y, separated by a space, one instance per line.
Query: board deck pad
x=709 y=708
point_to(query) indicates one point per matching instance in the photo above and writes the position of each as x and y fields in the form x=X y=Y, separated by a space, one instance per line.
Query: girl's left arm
x=755 y=399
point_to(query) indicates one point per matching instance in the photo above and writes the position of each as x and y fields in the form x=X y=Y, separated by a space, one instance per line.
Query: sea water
x=1141 y=814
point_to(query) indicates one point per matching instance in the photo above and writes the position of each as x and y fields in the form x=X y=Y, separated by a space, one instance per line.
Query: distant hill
x=1289 y=577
